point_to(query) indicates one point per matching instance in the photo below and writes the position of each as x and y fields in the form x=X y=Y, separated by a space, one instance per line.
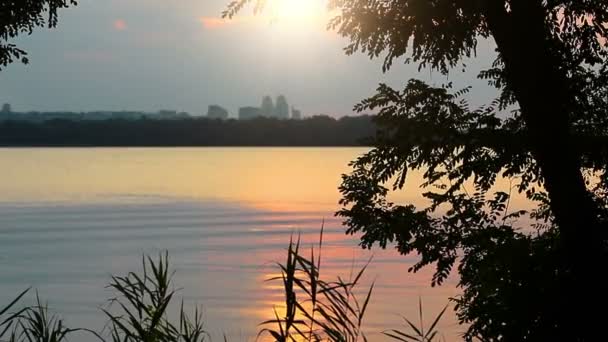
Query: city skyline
x=281 y=110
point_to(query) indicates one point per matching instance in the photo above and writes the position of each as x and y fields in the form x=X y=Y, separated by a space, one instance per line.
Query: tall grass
x=315 y=309
x=37 y=324
x=143 y=301
x=9 y=320
x=417 y=333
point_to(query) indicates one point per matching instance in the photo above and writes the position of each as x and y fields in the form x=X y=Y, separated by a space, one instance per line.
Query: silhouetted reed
x=143 y=301
x=315 y=309
x=417 y=333
x=9 y=320
x=37 y=324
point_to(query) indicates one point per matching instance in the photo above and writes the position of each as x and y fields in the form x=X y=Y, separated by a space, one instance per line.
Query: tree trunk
x=542 y=91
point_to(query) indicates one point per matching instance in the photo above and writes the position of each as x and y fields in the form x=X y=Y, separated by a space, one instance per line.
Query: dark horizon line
x=319 y=131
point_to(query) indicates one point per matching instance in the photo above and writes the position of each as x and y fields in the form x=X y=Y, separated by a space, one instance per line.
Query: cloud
x=119 y=25
x=213 y=22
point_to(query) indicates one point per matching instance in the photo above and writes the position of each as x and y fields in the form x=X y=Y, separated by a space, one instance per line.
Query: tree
x=546 y=131
x=22 y=17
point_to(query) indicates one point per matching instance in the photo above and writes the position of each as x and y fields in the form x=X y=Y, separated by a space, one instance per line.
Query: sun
x=298 y=10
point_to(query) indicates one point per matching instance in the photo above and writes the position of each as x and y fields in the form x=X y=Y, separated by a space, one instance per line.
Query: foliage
x=511 y=275
x=22 y=17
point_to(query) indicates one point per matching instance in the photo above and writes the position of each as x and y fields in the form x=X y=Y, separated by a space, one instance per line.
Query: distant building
x=165 y=112
x=247 y=113
x=217 y=112
x=296 y=114
x=170 y=115
x=124 y=115
x=267 y=108
x=6 y=109
x=281 y=110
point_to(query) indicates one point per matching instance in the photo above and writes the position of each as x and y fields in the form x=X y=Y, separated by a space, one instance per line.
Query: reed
x=417 y=332
x=315 y=309
x=37 y=324
x=142 y=302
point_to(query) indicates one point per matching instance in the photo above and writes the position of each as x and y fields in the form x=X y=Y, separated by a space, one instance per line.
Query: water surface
x=71 y=217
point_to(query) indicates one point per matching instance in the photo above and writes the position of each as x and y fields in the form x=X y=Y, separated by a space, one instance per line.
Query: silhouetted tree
x=22 y=16
x=546 y=131
x=77 y=131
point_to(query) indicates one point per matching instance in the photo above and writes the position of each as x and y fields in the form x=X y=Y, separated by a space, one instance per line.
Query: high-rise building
x=281 y=110
x=296 y=114
x=217 y=112
x=6 y=109
x=267 y=108
x=247 y=113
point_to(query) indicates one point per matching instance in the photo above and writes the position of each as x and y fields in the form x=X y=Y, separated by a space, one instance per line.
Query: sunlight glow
x=298 y=12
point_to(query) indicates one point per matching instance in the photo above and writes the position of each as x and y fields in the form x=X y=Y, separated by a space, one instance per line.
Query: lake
x=69 y=218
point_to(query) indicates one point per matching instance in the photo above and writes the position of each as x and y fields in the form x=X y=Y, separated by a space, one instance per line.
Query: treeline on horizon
x=314 y=131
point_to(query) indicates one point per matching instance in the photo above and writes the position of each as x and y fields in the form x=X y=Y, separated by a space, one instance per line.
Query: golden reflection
x=261 y=176
x=396 y=292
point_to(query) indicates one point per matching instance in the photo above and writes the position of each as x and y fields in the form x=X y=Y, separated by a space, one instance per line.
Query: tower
x=6 y=109
x=282 y=108
x=267 y=108
x=296 y=114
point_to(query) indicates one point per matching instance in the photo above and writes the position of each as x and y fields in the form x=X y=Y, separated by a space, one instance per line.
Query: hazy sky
x=178 y=54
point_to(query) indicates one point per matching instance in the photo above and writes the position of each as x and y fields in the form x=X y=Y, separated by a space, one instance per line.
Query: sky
x=149 y=55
